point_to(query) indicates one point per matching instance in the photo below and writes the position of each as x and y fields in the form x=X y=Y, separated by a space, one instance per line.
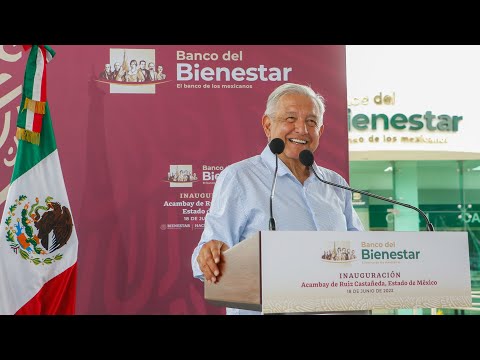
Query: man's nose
x=301 y=126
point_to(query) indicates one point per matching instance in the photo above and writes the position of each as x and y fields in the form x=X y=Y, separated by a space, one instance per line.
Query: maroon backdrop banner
x=140 y=159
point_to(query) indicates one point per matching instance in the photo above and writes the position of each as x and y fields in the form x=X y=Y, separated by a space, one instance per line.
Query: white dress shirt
x=241 y=204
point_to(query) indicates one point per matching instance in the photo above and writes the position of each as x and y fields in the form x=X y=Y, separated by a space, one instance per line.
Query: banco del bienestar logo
x=132 y=71
x=339 y=252
x=387 y=252
x=36 y=229
x=181 y=176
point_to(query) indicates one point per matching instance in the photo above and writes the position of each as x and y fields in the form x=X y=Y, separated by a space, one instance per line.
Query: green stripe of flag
x=28 y=154
x=50 y=50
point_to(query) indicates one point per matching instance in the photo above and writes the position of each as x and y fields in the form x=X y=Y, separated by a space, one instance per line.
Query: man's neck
x=300 y=171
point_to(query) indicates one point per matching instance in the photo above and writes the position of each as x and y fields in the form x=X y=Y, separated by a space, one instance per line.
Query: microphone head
x=306 y=157
x=276 y=146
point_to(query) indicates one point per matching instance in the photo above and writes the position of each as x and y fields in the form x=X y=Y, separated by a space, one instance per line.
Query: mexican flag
x=38 y=240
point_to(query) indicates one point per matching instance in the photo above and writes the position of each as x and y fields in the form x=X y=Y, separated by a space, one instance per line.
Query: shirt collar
x=269 y=160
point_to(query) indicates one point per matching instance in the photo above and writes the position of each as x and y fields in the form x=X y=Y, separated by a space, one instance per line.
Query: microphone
x=306 y=158
x=276 y=146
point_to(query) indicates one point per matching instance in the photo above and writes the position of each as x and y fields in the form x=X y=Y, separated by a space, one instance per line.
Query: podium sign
x=317 y=271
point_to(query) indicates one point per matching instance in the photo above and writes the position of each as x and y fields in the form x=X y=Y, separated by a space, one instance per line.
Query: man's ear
x=266 y=123
x=321 y=129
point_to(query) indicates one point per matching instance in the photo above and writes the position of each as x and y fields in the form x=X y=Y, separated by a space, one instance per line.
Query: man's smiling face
x=296 y=122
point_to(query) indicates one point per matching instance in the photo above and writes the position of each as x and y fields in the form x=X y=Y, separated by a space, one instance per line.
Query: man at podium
x=241 y=197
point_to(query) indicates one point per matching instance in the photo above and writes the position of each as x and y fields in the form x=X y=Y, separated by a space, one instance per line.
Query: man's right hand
x=209 y=257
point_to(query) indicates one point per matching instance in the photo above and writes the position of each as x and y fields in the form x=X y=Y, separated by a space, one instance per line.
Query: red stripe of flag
x=37 y=122
x=43 y=90
x=56 y=297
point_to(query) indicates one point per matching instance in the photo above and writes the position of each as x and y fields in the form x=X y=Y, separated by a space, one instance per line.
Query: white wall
x=441 y=78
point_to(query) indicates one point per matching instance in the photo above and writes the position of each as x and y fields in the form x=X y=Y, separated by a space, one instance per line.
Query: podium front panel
x=318 y=271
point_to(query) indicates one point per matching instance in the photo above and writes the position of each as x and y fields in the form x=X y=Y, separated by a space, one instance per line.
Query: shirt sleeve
x=226 y=218
x=353 y=221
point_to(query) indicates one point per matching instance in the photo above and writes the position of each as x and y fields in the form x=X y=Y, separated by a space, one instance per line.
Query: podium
x=329 y=271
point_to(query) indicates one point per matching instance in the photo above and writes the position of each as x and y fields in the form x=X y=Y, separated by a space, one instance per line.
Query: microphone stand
x=271 y=223
x=429 y=224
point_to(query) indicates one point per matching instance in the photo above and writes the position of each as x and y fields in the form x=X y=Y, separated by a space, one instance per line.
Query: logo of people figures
x=339 y=252
x=181 y=176
x=132 y=71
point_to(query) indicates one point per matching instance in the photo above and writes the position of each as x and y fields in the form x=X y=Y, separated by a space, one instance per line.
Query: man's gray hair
x=291 y=88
